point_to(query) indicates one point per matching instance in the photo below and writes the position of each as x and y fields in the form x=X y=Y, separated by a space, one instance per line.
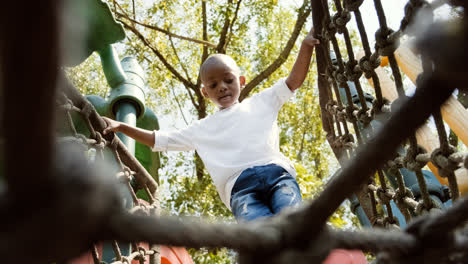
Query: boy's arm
x=301 y=66
x=141 y=135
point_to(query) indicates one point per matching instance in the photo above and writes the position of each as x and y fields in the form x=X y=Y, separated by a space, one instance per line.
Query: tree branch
x=170 y=87
x=137 y=49
x=222 y=38
x=195 y=89
x=186 y=74
x=178 y=59
x=167 y=32
x=186 y=82
x=205 y=38
x=178 y=104
x=158 y=54
x=304 y=12
x=201 y=100
x=232 y=23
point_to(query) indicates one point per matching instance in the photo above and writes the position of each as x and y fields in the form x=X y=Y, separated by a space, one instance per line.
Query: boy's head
x=221 y=80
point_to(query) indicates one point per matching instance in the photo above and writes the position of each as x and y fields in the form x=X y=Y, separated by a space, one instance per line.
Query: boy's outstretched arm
x=141 y=135
x=301 y=66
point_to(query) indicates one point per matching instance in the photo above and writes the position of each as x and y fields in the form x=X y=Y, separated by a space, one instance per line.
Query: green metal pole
x=127 y=113
x=111 y=66
x=126 y=98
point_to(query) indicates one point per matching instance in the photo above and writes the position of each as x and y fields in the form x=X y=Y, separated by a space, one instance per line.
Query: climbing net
x=300 y=236
x=360 y=109
x=95 y=145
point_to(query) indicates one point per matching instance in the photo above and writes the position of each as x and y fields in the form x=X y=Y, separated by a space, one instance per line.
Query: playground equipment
x=126 y=103
x=432 y=234
x=451 y=110
x=435 y=189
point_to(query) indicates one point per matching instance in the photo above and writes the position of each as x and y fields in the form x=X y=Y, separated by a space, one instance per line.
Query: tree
x=171 y=39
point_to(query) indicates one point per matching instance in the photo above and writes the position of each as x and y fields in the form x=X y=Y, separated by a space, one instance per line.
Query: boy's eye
x=229 y=80
x=213 y=85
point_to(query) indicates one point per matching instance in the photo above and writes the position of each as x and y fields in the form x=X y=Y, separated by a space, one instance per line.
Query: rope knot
x=396 y=163
x=87 y=109
x=365 y=116
x=142 y=250
x=353 y=71
x=337 y=143
x=348 y=138
x=125 y=260
x=341 y=114
x=340 y=77
x=331 y=107
x=99 y=139
x=331 y=29
x=340 y=20
x=378 y=106
x=114 y=143
x=350 y=113
x=143 y=253
x=420 y=208
x=381 y=193
x=369 y=64
x=67 y=106
x=386 y=41
x=411 y=162
x=400 y=194
x=352 y=5
x=443 y=162
x=410 y=10
x=344 y=142
x=391 y=222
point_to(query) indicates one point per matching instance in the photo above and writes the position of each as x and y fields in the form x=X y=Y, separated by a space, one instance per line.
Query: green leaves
x=255 y=35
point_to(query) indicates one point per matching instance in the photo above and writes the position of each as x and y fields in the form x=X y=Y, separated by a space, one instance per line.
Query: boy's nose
x=222 y=87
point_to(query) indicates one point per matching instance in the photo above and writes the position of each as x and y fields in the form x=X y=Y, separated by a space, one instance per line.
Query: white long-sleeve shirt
x=236 y=138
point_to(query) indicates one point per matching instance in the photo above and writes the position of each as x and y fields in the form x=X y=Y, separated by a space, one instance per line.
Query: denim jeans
x=263 y=191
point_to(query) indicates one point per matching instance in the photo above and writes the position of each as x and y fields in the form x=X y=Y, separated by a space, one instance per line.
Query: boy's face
x=222 y=84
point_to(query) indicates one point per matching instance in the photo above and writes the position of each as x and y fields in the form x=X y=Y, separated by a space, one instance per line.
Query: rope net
x=347 y=104
x=96 y=145
x=90 y=211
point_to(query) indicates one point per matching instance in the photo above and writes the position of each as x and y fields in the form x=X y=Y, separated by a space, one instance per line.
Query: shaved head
x=219 y=59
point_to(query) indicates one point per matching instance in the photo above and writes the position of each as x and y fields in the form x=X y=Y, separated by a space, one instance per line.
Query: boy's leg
x=284 y=190
x=248 y=207
x=285 y=193
x=247 y=201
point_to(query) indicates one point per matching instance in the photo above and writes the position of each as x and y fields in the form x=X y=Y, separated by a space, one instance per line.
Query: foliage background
x=257 y=35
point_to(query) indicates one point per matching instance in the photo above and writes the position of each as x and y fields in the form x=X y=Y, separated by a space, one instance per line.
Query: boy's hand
x=112 y=125
x=310 y=39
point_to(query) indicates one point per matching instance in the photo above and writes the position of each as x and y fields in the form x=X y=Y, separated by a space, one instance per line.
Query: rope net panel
x=345 y=103
x=62 y=224
x=95 y=145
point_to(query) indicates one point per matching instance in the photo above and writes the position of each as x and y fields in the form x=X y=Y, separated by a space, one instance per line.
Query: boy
x=239 y=144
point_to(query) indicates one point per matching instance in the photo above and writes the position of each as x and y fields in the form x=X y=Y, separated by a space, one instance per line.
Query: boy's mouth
x=224 y=96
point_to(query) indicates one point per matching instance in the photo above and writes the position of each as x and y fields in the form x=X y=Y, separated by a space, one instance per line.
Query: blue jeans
x=263 y=191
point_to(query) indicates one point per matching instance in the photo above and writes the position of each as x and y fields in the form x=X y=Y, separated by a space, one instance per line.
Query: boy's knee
x=287 y=194
x=290 y=188
x=291 y=195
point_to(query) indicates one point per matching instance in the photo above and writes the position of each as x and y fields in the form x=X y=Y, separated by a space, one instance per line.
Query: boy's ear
x=242 y=81
x=203 y=91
